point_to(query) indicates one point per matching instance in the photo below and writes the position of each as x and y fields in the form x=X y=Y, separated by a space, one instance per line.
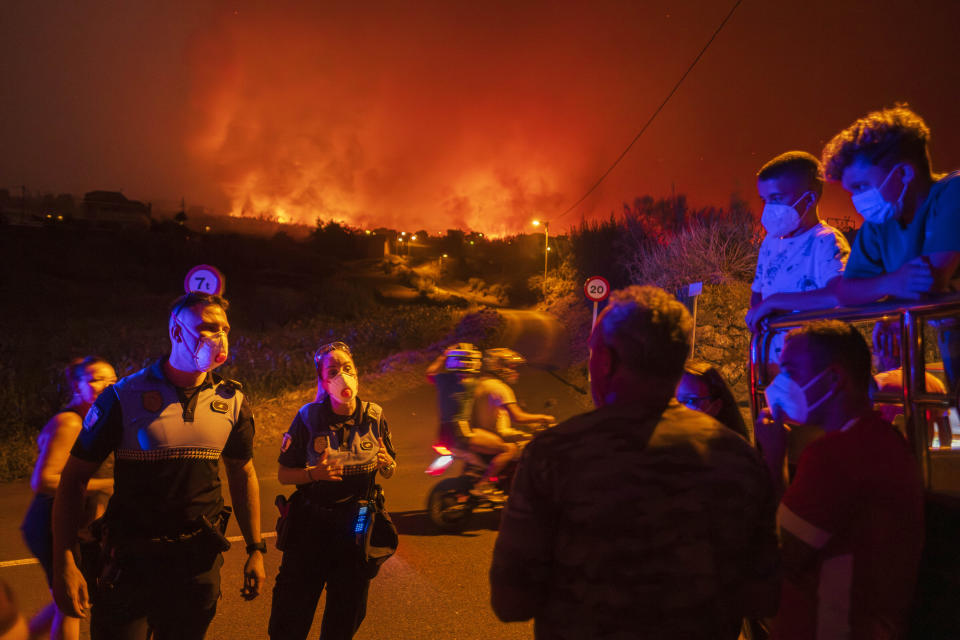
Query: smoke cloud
x=439 y=113
x=450 y=117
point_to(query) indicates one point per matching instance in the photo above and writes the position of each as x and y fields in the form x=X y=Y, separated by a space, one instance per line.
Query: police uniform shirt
x=168 y=444
x=316 y=429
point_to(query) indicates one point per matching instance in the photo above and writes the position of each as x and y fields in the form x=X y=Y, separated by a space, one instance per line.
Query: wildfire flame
x=299 y=122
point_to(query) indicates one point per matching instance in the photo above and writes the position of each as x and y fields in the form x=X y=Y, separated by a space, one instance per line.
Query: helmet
x=501 y=361
x=462 y=357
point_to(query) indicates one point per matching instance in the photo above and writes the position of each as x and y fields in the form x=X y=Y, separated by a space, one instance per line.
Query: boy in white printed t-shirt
x=801 y=258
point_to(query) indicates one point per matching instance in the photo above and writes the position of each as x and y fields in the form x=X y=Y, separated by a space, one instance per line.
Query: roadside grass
x=274 y=364
x=380 y=380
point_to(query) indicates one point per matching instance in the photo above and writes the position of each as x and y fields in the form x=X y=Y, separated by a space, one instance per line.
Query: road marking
x=17 y=563
x=5 y=564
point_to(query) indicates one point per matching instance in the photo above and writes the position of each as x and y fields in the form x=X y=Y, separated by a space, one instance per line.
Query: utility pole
x=546 y=249
x=546 y=253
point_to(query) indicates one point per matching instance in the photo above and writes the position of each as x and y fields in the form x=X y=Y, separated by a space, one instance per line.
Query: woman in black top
x=332 y=451
x=87 y=378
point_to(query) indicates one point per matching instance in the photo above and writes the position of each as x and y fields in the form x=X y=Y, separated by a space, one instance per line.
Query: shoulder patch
x=91 y=418
x=152 y=401
x=233 y=384
x=220 y=406
x=285 y=442
x=374 y=411
x=226 y=391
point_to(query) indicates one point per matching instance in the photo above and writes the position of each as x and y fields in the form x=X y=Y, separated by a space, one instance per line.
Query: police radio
x=362 y=521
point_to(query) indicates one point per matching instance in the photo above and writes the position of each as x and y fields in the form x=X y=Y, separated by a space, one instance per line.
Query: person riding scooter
x=495 y=408
x=455 y=375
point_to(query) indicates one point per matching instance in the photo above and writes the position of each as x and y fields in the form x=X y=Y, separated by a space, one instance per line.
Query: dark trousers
x=309 y=565
x=175 y=599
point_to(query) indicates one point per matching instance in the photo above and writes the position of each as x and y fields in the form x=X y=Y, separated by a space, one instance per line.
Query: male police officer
x=169 y=424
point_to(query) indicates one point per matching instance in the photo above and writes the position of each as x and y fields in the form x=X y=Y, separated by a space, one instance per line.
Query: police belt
x=200 y=532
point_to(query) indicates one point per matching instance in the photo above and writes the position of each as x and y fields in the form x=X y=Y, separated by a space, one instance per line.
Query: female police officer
x=332 y=452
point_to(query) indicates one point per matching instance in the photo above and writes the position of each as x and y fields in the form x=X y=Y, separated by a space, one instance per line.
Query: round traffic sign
x=596 y=288
x=204 y=278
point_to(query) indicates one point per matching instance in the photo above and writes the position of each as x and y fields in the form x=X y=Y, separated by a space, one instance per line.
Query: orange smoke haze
x=387 y=118
x=440 y=113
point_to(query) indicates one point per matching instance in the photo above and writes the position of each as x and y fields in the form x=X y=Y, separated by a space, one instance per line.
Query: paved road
x=434 y=587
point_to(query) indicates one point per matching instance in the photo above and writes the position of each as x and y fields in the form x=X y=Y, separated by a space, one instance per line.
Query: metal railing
x=941 y=468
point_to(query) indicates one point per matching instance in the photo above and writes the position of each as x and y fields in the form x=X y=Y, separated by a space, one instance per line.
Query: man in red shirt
x=851 y=521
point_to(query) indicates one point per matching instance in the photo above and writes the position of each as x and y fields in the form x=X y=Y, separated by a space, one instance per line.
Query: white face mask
x=209 y=352
x=781 y=219
x=343 y=386
x=871 y=205
x=790 y=399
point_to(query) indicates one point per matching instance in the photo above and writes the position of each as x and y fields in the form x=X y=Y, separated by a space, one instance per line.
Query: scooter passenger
x=495 y=407
x=455 y=375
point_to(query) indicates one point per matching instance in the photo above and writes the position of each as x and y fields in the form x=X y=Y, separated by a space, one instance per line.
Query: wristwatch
x=257 y=546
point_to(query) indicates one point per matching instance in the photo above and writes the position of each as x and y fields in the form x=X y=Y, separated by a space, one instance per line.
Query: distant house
x=113 y=209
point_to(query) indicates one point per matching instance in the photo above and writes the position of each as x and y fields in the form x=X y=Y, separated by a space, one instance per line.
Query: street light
x=546 y=249
x=440 y=275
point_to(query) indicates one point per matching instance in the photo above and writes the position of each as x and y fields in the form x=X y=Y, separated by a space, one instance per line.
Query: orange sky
x=450 y=114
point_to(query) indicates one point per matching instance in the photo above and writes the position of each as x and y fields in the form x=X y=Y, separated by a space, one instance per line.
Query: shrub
x=717 y=253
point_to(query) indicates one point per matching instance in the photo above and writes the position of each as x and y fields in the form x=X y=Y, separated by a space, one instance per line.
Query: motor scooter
x=450 y=502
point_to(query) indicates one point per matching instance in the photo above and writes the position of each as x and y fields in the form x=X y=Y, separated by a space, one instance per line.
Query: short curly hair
x=883 y=138
x=649 y=330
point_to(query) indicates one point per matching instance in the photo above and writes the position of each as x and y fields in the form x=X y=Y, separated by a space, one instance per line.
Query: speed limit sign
x=597 y=289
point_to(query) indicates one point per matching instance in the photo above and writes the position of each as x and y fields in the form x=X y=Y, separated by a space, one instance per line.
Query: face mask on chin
x=209 y=352
x=780 y=220
x=874 y=208
x=784 y=395
x=343 y=387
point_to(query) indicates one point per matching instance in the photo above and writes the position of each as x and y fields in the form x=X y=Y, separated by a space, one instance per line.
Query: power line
x=655 y=113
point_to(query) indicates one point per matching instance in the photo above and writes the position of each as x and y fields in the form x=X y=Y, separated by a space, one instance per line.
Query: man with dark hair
x=909 y=243
x=641 y=519
x=801 y=258
x=851 y=522
x=169 y=424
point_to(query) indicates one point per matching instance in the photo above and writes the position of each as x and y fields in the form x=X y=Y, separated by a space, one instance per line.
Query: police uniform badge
x=220 y=406
x=285 y=443
x=321 y=443
x=152 y=401
x=91 y=418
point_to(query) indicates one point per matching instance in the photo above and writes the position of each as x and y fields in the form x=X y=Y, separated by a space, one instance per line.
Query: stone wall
x=722 y=337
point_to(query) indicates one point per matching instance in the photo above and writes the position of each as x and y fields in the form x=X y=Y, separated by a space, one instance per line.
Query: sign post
x=597 y=289
x=688 y=295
